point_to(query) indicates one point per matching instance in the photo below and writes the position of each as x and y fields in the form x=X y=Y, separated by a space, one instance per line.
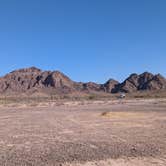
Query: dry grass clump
x=121 y=114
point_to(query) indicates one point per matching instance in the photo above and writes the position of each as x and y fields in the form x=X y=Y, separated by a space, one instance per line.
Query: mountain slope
x=144 y=81
x=30 y=80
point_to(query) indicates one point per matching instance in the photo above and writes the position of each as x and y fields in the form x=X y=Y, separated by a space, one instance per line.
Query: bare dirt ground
x=129 y=133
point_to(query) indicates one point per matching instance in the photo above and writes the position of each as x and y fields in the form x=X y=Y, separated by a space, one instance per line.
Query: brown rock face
x=35 y=80
x=110 y=86
x=156 y=83
x=27 y=79
x=145 y=81
x=59 y=81
x=19 y=80
x=91 y=86
x=129 y=85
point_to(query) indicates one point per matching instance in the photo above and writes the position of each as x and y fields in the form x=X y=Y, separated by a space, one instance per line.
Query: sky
x=88 y=40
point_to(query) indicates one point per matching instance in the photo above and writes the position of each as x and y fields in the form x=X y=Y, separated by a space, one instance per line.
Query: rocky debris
x=35 y=80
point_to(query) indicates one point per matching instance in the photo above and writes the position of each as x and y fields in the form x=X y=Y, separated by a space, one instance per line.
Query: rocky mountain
x=110 y=86
x=33 y=79
x=30 y=80
x=145 y=81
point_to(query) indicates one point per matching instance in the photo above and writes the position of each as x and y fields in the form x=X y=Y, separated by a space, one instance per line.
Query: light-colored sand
x=150 y=161
x=133 y=133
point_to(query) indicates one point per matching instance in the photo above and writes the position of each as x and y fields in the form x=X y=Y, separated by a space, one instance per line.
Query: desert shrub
x=92 y=97
x=104 y=113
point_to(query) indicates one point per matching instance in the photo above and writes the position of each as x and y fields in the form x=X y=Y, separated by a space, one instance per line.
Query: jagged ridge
x=33 y=79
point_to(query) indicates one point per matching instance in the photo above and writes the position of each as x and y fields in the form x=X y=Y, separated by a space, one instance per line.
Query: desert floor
x=94 y=133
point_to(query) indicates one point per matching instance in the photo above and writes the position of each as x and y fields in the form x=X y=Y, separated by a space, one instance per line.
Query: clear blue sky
x=86 y=39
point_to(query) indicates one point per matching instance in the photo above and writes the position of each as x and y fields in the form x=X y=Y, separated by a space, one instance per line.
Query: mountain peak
x=29 y=69
x=34 y=79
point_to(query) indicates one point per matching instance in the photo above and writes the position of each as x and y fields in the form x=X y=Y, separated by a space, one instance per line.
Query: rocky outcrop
x=110 y=86
x=145 y=81
x=27 y=79
x=91 y=86
x=33 y=79
x=156 y=83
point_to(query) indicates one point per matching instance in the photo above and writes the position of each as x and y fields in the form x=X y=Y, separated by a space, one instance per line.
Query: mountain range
x=31 y=80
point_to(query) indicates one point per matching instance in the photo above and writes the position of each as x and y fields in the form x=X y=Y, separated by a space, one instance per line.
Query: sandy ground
x=130 y=133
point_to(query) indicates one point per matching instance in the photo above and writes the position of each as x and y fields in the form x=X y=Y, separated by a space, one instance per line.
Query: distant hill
x=146 y=81
x=31 y=80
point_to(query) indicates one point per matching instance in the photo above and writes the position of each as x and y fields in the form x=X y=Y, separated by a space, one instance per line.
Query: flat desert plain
x=94 y=133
